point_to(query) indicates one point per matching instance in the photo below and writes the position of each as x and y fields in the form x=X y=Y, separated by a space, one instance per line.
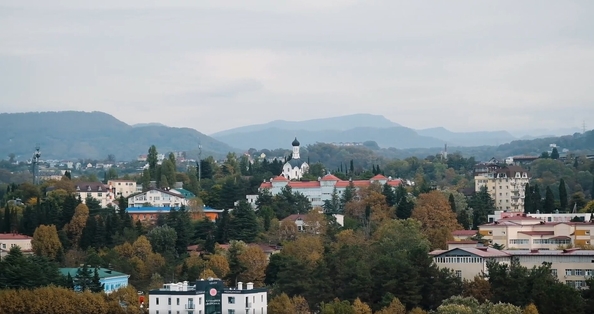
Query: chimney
x=534 y=251
x=249 y=286
x=240 y=285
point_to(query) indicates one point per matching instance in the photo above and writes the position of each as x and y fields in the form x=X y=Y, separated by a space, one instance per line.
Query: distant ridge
x=94 y=135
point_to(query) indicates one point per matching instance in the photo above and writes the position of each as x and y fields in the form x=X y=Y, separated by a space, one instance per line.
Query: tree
x=404 y=206
x=482 y=206
x=528 y=199
x=452 y=202
x=395 y=307
x=253 y=262
x=464 y=219
x=77 y=224
x=83 y=278
x=555 y=153
x=223 y=227
x=244 y=223
x=390 y=195
x=96 y=285
x=438 y=220
x=536 y=199
x=360 y=307
x=219 y=265
x=530 y=309
x=46 y=242
x=152 y=160
x=163 y=240
x=563 y=195
x=549 y=201
x=281 y=304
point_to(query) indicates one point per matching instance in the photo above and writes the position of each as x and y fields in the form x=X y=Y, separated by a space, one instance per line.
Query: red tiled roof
x=280 y=178
x=379 y=177
x=330 y=177
x=482 y=252
x=462 y=242
x=294 y=217
x=464 y=232
x=13 y=236
x=537 y=233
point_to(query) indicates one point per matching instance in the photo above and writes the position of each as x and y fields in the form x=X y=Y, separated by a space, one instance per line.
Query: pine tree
x=452 y=202
x=347 y=195
x=352 y=166
x=536 y=199
x=69 y=282
x=83 y=278
x=223 y=227
x=463 y=219
x=390 y=195
x=563 y=195
x=555 y=153
x=96 y=285
x=549 y=201
x=243 y=225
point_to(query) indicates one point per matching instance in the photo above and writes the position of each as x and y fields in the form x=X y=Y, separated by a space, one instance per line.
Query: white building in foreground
x=208 y=296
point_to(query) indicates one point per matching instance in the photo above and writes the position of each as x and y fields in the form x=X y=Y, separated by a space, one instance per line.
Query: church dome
x=295 y=142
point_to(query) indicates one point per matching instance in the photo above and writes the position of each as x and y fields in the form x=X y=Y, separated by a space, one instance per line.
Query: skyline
x=466 y=66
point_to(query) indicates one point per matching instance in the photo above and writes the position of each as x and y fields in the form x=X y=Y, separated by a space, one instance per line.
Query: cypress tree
x=452 y=202
x=563 y=195
x=555 y=153
x=96 y=285
x=6 y=221
x=464 y=219
x=536 y=199
x=223 y=227
x=528 y=198
x=390 y=195
x=549 y=201
x=352 y=168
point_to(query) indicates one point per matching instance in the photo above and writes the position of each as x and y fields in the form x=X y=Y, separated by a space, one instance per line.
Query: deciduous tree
x=254 y=262
x=438 y=220
x=77 y=224
x=46 y=242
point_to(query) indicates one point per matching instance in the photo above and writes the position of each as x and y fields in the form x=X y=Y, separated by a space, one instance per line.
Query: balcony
x=190 y=306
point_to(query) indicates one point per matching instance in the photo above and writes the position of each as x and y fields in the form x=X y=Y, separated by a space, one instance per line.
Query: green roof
x=103 y=272
x=186 y=193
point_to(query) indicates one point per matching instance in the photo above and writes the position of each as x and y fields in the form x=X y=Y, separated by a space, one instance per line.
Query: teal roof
x=103 y=272
x=186 y=193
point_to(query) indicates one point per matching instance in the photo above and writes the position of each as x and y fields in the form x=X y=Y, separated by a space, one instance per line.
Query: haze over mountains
x=94 y=135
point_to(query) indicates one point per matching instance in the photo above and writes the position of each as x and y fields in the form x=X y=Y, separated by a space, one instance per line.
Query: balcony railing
x=190 y=306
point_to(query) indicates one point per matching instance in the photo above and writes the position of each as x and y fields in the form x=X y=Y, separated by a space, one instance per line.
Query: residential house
x=96 y=190
x=111 y=279
x=123 y=188
x=10 y=240
x=157 y=198
x=468 y=262
x=208 y=296
x=506 y=186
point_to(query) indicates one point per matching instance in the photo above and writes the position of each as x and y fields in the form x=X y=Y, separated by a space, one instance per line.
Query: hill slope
x=468 y=138
x=341 y=123
x=74 y=134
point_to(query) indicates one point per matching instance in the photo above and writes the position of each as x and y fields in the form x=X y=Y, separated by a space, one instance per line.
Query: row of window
x=577 y=284
x=540 y=241
x=457 y=260
x=190 y=301
x=579 y=272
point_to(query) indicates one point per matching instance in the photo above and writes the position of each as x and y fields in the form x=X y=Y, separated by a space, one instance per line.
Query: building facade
x=151 y=214
x=295 y=168
x=10 y=240
x=529 y=233
x=321 y=190
x=208 y=296
x=157 y=198
x=96 y=190
x=555 y=217
x=506 y=186
x=468 y=262
x=123 y=188
x=110 y=279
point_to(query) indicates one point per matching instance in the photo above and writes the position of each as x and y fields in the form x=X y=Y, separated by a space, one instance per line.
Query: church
x=295 y=168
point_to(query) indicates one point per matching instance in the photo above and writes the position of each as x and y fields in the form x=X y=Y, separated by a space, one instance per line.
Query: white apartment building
x=10 y=240
x=570 y=266
x=96 y=190
x=123 y=188
x=157 y=198
x=555 y=217
x=321 y=190
x=506 y=186
x=208 y=296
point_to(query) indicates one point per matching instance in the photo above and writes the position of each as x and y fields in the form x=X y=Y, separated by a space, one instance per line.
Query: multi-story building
x=123 y=188
x=110 y=279
x=524 y=232
x=151 y=214
x=555 y=217
x=157 y=198
x=506 y=186
x=570 y=266
x=208 y=296
x=10 y=240
x=96 y=190
x=321 y=190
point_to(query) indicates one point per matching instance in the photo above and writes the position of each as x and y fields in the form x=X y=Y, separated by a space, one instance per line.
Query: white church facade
x=295 y=168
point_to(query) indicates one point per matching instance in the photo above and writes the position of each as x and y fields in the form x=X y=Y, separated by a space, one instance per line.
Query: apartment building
x=506 y=186
x=96 y=190
x=10 y=240
x=123 y=188
x=157 y=198
x=570 y=266
x=208 y=296
x=554 y=217
x=528 y=233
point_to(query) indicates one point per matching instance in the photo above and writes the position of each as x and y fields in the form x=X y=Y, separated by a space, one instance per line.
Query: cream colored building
x=96 y=190
x=506 y=186
x=528 y=233
x=123 y=188
x=570 y=266
x=10 y=240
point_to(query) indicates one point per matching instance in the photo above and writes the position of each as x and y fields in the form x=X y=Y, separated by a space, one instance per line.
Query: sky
x=215 y=65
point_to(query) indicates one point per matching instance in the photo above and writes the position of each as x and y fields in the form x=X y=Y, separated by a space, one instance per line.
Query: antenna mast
x=199 y=165
x=35 y=163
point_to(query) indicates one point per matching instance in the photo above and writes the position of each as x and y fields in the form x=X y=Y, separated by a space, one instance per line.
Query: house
x=295 y=168
x=468 y=262
x=207 y=296
x=10 y=240
x=157 y=198
x=506 y=186
x=321 y=190
x=123 y=188
x=527 y=233
x=111 y=279
x=96 y=190
x=150 y=214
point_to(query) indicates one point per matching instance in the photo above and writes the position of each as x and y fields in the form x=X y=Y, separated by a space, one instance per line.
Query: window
x=231 y=300
x=459 y=273
x=231 y=311
x=169 y=301
x=554 y=272
x=177 y=301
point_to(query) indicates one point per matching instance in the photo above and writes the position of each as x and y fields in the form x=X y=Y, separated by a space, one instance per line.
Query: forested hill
x=94 y=135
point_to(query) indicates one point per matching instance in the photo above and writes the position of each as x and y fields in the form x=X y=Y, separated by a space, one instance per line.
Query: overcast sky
x=215 y=65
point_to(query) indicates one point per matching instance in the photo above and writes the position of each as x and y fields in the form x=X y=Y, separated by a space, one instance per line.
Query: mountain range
x=94 y=135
